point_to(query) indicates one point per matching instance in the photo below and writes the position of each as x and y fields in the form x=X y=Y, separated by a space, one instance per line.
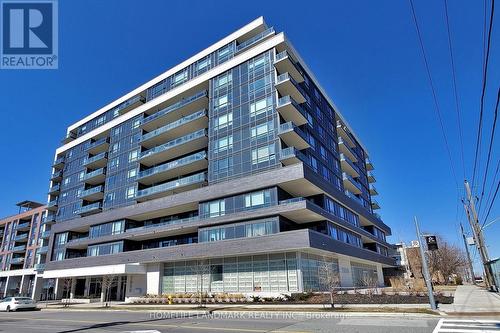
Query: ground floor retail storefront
x=273 y=273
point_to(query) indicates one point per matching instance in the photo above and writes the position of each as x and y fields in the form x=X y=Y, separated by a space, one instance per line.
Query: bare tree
x=201 y=269
x=370 y=282
x=108 y=282
x=329 y=279
x=446 y=261
x=67 y=283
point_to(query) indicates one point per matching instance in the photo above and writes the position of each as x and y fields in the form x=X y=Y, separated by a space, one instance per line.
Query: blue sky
x=364 y=53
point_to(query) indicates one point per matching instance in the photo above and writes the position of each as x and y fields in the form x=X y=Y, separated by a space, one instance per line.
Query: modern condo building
x=234 y=161
x=22 y=252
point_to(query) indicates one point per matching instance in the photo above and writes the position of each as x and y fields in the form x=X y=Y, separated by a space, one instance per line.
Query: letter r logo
x=27 y=27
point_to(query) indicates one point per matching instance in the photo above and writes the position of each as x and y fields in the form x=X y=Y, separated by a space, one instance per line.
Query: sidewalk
x=472 y=299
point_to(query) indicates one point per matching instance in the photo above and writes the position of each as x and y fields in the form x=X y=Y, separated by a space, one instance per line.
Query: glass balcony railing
x=287 y=99
x=21 y=237
x=286 y=76
x=39 y=267
x=289 y=126
x=281 y=55
x=78 y=239
x=292 y=200
x=96 y=206
x=131 y=101
x=23 y=225
x=171 y=185
x=255 y=39
x=90 y=191
x=19 y=248
x=18 y=260
x=52 y=203
x=291 y=152
x=49 y=218
x=45 y=234
x=98 y=142
x=346 y=159
x=56 y=174
x=177 y=123
x=175 y=106
x=58 y=161
x=346 y=176
x=55 y=188
x=95 y=173
x=42 y=249
x=172 y=165
x=177 y=142
x=157 y=225
x=95 y=158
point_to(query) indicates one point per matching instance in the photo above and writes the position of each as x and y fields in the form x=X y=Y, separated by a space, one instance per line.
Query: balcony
x=56 y=176
x=348 y=167
x=187 y=124
x=346 y=150
x=350 y=184
x=291 y=155
x=128 y=104
x=17 y=261
x=49 y=218
x=21 y=238
x=182 y=166
x=171 y=187
x=343 y=132
x=39 y=267
x=175 y=148
x=375 y=204
x=42 y=250
x=45 y=234
x=54 y=190
x=290 y=110
x=19 y=248
x=287 y=86
x=260 y=36
x=52 y=205
x=173 y=112
x=68 y=138
x=92 y=208
x=98 y=146
x=293 y=136
x=23 y=226
x=354 y=197
x=369 y=165
x=58 y=163
x=97 y=161
x=95 y=177
x=92 y=194
x=285 y=64
x=371 y=177
x=373 y=190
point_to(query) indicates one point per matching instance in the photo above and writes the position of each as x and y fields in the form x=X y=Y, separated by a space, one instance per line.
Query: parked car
x=17 y=303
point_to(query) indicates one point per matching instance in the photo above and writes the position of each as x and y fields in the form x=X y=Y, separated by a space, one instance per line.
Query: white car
x=17 y=303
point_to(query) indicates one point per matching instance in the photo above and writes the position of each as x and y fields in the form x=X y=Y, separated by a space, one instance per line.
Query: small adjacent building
x=21 y=252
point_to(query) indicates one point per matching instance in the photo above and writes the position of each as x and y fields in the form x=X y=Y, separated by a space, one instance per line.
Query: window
x=213 y=208
x=263 y=154
x=260 y=106
x=224 y=143
x=132 y=173
x=223 y=164
x=256 y=63
x=110 y=197
x=100 y=121
x=323 y=152
x=314 y=163
x=224 y=53
x=117 y=131
x=81 y=175
x=224 y=120
x=130 y=192
x=202 y=65
x=261 y=129
x=223 y=80
x=180 y=78
x=221 y=102
x=136 y=123
x=254 y=199
x=133 y=155
x=66 y=181
x=103 y=249
x=115 y=147
x=113 y=164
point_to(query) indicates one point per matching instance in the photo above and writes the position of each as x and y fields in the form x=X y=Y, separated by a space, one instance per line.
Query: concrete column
x=72 y=288
x=21 y=285
x=119 y=287
x=37 y=288
x=345 y=272
x=380 y=275
x=86 y=292
x=4 y=292
x=58 y=289
x=300 y=276
x=153 y=277
x=103 y=292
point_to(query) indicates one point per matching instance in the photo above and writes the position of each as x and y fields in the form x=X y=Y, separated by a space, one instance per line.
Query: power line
x=457 y=106
x=490 y=192
x=491 y=204
x=485 y=77
x=431 y=83
x=492 y=137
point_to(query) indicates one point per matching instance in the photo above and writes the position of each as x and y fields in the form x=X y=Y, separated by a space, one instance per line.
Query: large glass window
x=105 y=229
x=103 y=249
x=263 y=154
x=239 y=230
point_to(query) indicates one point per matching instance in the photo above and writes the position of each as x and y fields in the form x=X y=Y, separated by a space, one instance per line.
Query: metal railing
x=179 y=141
x=255 y=39
x=168 y=186
x=173 y=164
x=177 y=123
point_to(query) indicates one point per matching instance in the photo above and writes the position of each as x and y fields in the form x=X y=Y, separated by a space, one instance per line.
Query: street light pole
x=425 y=269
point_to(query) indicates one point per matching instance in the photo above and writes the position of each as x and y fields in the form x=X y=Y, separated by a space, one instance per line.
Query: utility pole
x=478 y=236
x=425 y=269
x=471 y=268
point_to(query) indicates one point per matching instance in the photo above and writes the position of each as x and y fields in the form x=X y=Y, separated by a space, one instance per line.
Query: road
x=131 y=321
